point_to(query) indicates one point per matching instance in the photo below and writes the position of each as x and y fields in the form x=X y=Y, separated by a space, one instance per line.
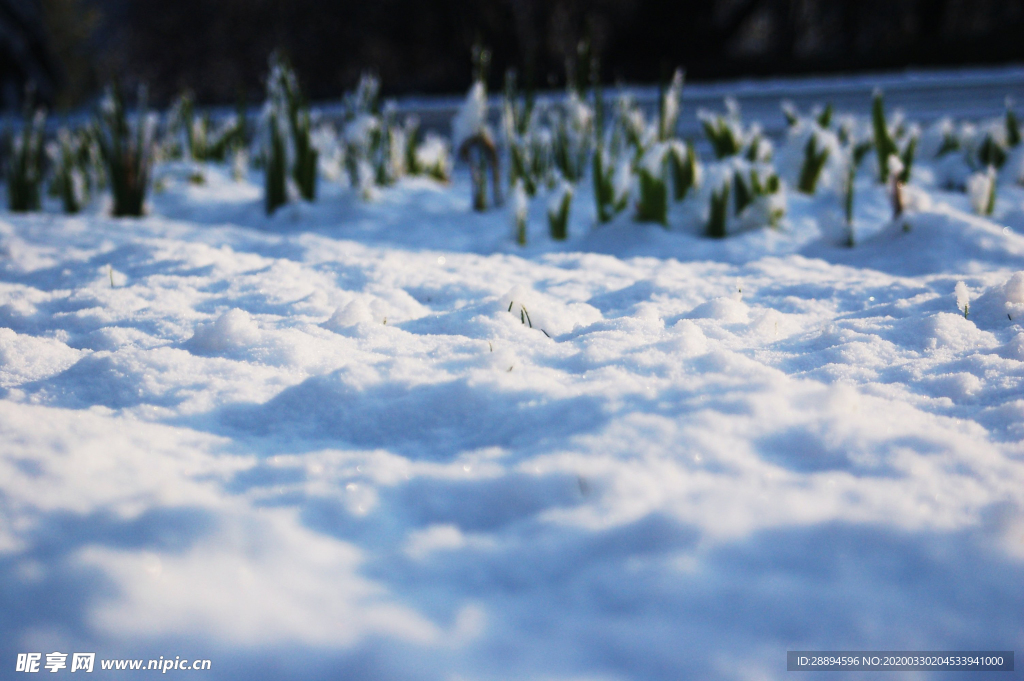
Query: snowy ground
x=324 y=445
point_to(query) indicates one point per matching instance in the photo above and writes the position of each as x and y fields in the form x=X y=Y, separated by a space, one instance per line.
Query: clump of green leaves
x=856 y=155
x=25 y=164
x=288 y=140
x=824 y=118
x=885 y=146
x=669 y=106
x=981 y=188
x=814 y=162
x=748 y=189
x=757 y=195
x=558 y=211
x=127 y=150
x=719 y=211
x=572 y=125
x=1012 y=125
x=991 y=152
x=723 y=132
x=433 y=159
x=685 y=171
x=950 y=143
x=611 y=185
x=71 y=177
x=653 y=181
x=472 y=135
x=199 y=137
x=276 y=166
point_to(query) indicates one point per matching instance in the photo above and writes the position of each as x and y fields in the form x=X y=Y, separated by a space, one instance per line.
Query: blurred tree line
x=219 y=48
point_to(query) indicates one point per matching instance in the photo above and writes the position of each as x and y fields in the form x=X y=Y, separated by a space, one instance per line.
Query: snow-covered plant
x=743 y=195
x=1012 y=125
x=176 y=141
x=885 y=142
x=412 y=136
x=304 y=163
x=630 y=128
x=518 y=123
x=572 y=123
x=472 y=137
x=520 y=209
x=366 y=97
x=388 y=148
x=824 y=117
x=127 y=149
x=198 y=136
x=991 y=152
x=758 y=196
x=611 y=184
x=69 y=178
x=885 y=146
x=790 y=113
x=750 y=186
x=963 y=298
x=669 y=107
x=724 y=132
x=558 y=211
x=814 y=162
x=25 y=165
x=276 y=165
x=855 y=156
x=433 y=158
x=653 y=181
x=718 y=212
x=330 y=151
x=361 y=135
x=377 y=141
x=981 y=188
x=949 y=143
x=516 y=110
x=90 y=157
x=907 y=157
x=286 y=111
x=821 y=116
x=759 y=149
x=685 y=169
x=224 y=138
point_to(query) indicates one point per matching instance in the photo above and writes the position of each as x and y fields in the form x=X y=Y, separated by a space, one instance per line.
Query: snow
x=472 y=116
x=381 y=440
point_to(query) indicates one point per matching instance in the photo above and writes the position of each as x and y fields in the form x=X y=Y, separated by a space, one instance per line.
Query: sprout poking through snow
x=981 y=188
x=685 y=171
x=558 y=211
x=127 y=150
x=653 y=204
x=814 y=162
x=963 y=300
x=885 y=147
x=719 y=211
x=670 y=107
x=472 y=138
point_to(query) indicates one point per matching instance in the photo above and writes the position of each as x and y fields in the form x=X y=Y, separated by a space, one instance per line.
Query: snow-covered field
x=325 y=445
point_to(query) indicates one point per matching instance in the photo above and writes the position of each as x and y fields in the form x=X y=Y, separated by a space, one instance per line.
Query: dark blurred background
x=219 y=48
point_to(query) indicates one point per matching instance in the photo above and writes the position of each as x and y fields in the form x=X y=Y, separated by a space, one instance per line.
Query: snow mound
x=232 y=331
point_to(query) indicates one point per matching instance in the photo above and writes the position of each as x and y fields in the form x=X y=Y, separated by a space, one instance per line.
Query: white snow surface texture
x=325 y=444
